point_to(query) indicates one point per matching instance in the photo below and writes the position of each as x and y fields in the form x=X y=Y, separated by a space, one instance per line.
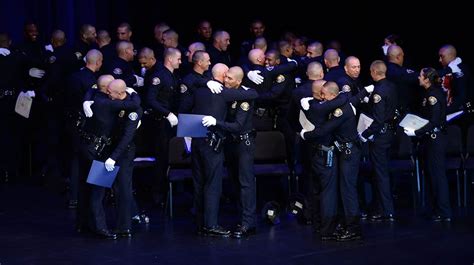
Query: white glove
x=298 y=80
x=371 y=138
x=369 y=89
x=30 y=93
x=366 y=99
x=109 y=164
x=454 y=65
x=255 y=77
x=139 y=123
x=215 y=87
x=130 y=90
x=49 y=47
x=385 y=49
x=302 y=134
x=37 y=73
x=409 y=131
x=4 y=51
x=305 y=102
x=140 y=81
x=172 y=119
x=292 y=60
x=208 y=121
x=362 y=138
x=86 y=106
x=143 y=71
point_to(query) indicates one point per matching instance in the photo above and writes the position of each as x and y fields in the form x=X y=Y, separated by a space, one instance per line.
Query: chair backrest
x=470 y=141
x=454 y=147
x=270 y=147
x=177 y=156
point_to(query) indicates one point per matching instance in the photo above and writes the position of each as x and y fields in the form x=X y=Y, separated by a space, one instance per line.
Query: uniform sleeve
x=230 y=95
x=434 y=121
x=275 y=92
x=326 y=129
x=152 y=99
x=130 y=104
x=240 y=118
x=128 y=133
x=378 y=114
x=282 y=69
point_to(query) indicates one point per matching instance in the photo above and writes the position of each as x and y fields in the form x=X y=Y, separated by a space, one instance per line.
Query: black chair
x=403 y=159
x=468 y=159
x=179 y=168
x=270 y=155
x=454 y=156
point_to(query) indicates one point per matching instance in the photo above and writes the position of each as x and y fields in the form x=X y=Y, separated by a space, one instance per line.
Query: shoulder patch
x=121 y=113
x=280 y=78
x=94 y=86
x=337 y=113
x=183 y=88
x=133 y=116
x=52 y=59
x=78 y=55
x=346 y=88
x=245 y=106
x=117 y=71
x=377 y=98
x=234 y=105
x=156 y=81
x=432 y=100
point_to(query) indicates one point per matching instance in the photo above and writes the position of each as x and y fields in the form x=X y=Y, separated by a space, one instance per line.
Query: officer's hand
x=139 y=123
x=245 y=88
x=130 y=90
x=255 y=77
x=409 y=131
x=86 y=106
x=385 y=49
x=208 y=121
x=305 y=102
x=292 y=61
x=454 y=65
x=371 y=138
x=215 y=87
x=30 y=93
x=366 y=99
x=143 y=71
x=298 y=80
x=140 y=81
x=49 y=47
x=172 y=119
x=369 y=89
x=109 y=164
x=302 y=134
x=362 y=138
x=36 y=73
x=4 y=51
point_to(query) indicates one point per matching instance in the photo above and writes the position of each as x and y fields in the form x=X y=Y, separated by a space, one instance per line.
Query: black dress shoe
x=439 y=218
x=244 y=231
x=382 y=218
x=124 y=233
x=349 y=236
x=216 y=231
x=106 y=234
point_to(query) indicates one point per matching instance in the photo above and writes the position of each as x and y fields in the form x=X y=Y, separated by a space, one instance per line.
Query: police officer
x=434 y=142
x=87 y=41
x=350 y=82
x=383 y=103
x=198 y=77
x=98 y=144
x=342 y=123
x=334 y=70
x=121 y=66
x=163 y=99
x=207 y=155
x=78 y=84
x=240 y=155
x=219 y=50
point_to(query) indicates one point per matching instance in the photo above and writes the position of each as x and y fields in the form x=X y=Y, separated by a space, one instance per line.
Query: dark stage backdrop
x=423 y=30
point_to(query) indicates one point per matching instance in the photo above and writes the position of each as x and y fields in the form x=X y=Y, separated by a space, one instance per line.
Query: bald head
x=234 y=77
x=146 y=57
x=194 y=47
x=352 y=67
x=94 y=60
x=58 y=38
x=395 y=54
x=329 y=91
x=316 y=88
x=378 y=69
x=257 y=56
x=125 y=50
x=331 y=58
x=116 y=89
x=103 y=81
x=219 y=71
x=447 y=54
x=103 y=38
x=260 y=43
x=315 y=71
x=314 y=49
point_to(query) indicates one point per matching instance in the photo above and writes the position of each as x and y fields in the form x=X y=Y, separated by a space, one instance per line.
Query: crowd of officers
x=91 y=99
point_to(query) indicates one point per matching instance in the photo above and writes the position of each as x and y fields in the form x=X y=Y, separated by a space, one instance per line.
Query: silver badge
x=117 y=71
x=52 y=59
x=155 y=81
x=183 y=88
x=133 y=116
x=346 y=88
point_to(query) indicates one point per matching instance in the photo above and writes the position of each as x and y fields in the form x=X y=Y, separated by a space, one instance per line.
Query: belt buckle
x=433 y=135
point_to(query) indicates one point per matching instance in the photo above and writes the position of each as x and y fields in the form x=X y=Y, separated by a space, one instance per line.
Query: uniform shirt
x=218 y=56
x=121 y=69
x=125 y=131
x=80 y=50
x=239 y=118
x=79 y=83
x=347 y=84
x=433 y=108
x=162 y=95
x=383 y=103
x=406 y=82
x=189 y=84
x=334 y=73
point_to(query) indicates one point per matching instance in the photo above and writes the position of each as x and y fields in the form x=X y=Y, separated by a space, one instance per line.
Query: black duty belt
x=344 y=147
x=99 y=142
x=434 y=132
x=246 y=137
x=327 y=152
x=215 y=141
x=6 y=92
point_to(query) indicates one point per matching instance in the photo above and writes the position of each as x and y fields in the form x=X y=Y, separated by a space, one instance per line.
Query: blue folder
x=190 y=125
x=99 y=176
